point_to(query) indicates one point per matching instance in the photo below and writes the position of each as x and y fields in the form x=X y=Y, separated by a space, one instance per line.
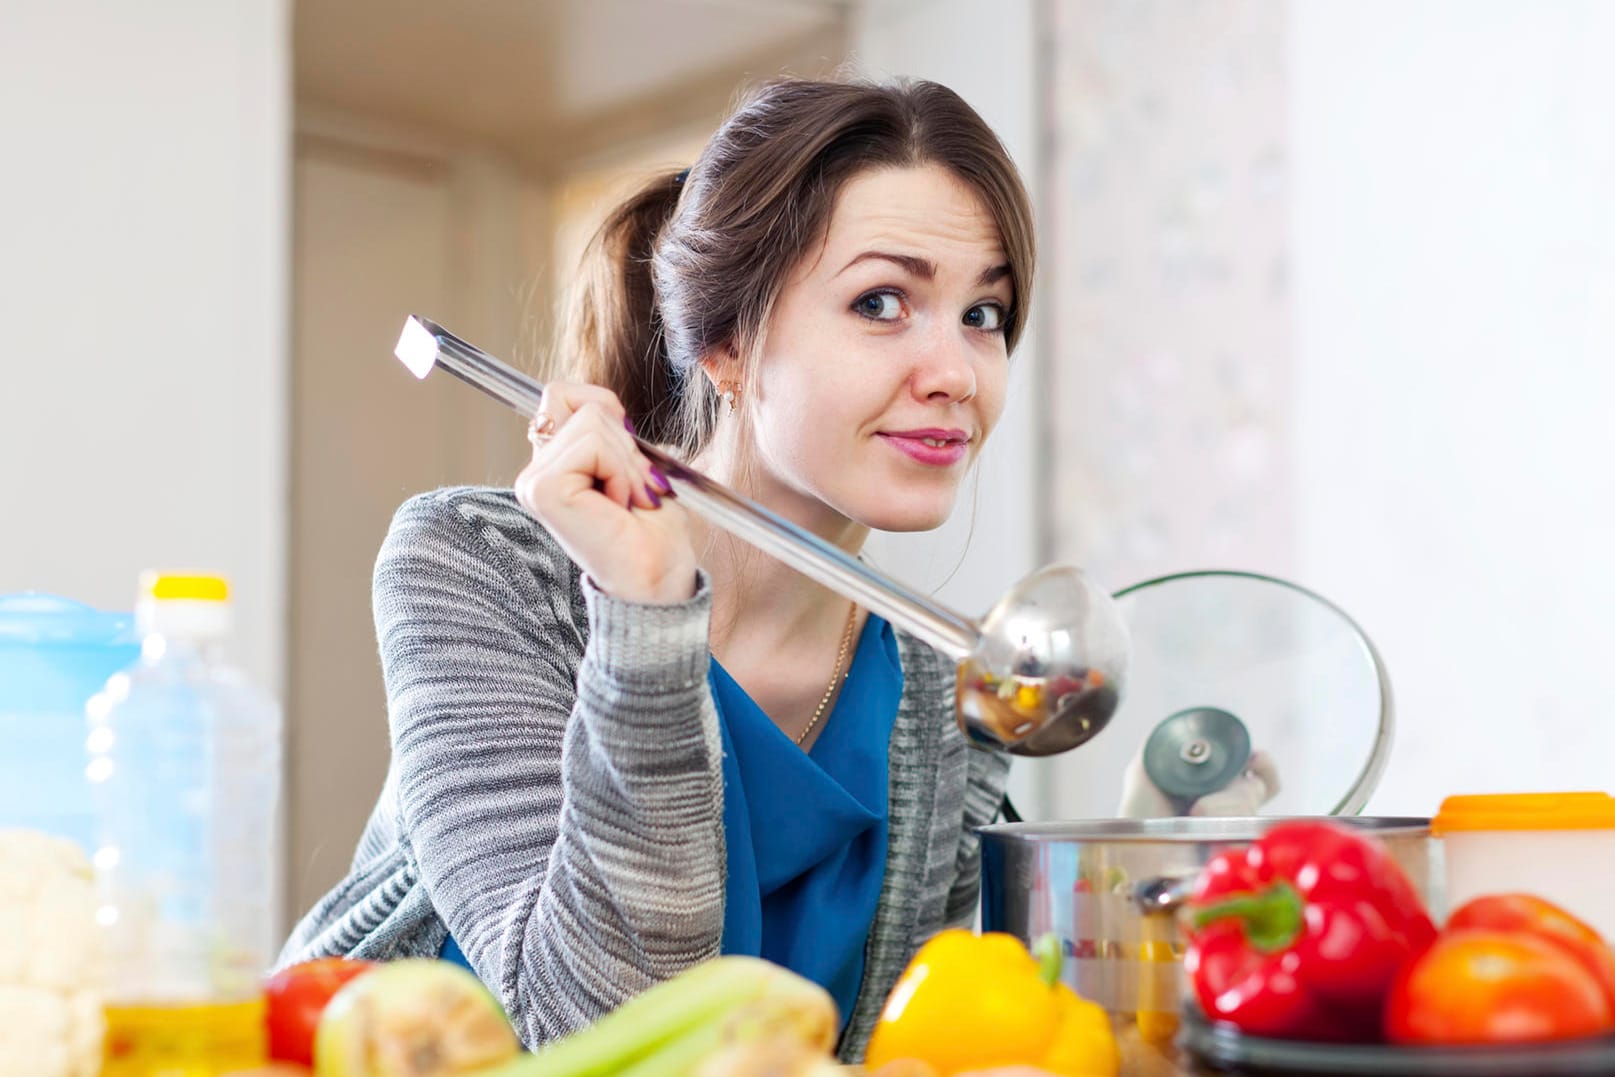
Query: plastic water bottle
x=184 y=767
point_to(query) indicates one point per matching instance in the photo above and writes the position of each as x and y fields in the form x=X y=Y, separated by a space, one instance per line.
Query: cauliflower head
x=51 y=972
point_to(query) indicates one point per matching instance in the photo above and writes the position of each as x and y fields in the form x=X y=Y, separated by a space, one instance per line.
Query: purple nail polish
x=628 y=424
x=661 y=480
x=650 y=492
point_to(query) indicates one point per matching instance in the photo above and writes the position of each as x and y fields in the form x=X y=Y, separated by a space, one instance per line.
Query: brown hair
x=695 y=261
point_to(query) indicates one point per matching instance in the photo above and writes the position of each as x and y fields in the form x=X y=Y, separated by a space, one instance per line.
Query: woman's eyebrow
x=923 y=268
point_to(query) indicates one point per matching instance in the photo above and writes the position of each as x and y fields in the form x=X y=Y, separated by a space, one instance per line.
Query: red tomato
x=1477 y=986
x=296 y=996
x=1517 y=913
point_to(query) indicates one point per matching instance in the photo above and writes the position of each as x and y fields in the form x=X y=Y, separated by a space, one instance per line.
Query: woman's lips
x=936 y=448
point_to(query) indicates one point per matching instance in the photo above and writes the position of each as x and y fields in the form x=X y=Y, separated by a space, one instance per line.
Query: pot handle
x=1163 y=895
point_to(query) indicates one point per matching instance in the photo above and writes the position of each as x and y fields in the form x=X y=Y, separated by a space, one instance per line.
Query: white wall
x=989 y=547
x=142 y=291
x=388 y=221
x=1454 y=271
x=1166 y=224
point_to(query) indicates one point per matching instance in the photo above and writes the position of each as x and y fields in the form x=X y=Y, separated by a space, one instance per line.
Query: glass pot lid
x=1246 y=695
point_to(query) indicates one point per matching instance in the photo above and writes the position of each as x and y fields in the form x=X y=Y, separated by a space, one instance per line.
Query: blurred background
x=1328 y=292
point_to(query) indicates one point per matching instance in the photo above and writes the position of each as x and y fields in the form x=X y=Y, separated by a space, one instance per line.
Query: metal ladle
x=1042 y=673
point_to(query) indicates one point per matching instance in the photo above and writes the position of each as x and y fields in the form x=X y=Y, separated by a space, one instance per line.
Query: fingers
x=1246 y=794
x=1141 y=799
x=586 y=458
x=1240 y=797
x=595 y=491
x=594 y=442
x=564 y=399
x=1262 y=767
x=589 y=451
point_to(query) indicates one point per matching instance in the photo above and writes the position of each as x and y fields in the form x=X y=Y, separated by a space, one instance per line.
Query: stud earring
x=728 y=392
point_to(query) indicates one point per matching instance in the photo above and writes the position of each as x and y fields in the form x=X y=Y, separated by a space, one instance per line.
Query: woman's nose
x=945 y=370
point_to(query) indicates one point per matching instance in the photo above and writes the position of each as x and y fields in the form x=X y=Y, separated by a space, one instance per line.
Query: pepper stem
x=1050 y=957
x=1272 y=918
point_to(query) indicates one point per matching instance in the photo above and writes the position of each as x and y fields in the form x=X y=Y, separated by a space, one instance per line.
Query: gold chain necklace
x=835 y=675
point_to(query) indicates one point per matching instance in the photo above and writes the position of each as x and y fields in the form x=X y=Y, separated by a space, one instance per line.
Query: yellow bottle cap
x=194 y=587
x=1525 y=811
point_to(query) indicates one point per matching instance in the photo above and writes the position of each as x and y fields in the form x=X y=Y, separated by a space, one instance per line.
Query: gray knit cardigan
x=555 y=796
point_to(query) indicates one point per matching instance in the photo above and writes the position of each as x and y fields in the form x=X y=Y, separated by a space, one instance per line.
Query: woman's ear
x=721 y=364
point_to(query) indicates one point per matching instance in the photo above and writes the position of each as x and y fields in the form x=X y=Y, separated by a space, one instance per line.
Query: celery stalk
x=667 y=1029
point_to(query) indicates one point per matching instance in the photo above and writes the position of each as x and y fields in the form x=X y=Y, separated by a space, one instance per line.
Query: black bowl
x=1215 y=1047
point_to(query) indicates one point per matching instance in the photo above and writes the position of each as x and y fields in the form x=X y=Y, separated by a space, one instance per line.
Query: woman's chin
x=900 y=516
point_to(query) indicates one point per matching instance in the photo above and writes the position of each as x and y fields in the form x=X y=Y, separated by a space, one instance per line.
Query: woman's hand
x=1245 y=795
x=589 y=484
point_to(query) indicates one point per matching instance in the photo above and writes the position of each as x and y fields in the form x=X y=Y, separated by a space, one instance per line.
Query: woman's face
x=884 y=365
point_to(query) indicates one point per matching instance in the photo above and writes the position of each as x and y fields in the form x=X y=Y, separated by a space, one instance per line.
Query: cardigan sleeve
x=567 y=828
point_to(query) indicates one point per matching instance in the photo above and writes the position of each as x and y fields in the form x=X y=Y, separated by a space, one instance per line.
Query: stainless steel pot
x=1109 y=889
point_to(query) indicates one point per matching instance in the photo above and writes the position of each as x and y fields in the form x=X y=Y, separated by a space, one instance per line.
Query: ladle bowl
x=1049 y=668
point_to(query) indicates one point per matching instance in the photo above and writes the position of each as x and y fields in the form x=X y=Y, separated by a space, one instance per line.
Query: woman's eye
x=985 y=316
x=879 y=306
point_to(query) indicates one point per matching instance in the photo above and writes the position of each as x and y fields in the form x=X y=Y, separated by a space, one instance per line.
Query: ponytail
x=611 y=330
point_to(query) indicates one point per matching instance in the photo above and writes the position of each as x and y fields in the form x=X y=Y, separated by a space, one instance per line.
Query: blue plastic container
x=54 y=655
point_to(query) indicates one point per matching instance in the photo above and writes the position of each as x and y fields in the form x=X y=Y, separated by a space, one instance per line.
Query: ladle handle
x=952 y=633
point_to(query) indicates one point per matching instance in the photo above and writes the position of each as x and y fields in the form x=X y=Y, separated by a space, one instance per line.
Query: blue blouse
x=805 y=832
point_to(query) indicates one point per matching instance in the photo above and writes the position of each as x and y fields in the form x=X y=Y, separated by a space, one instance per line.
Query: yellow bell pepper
x=970 y=1002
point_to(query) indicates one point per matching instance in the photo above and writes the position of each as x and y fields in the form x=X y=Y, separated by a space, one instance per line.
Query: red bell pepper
x=1300 y=935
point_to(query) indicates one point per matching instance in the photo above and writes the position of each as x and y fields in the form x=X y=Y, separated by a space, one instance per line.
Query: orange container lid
x=1525 y=811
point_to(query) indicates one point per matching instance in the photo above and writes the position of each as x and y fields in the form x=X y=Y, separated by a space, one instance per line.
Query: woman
x=621 y=743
